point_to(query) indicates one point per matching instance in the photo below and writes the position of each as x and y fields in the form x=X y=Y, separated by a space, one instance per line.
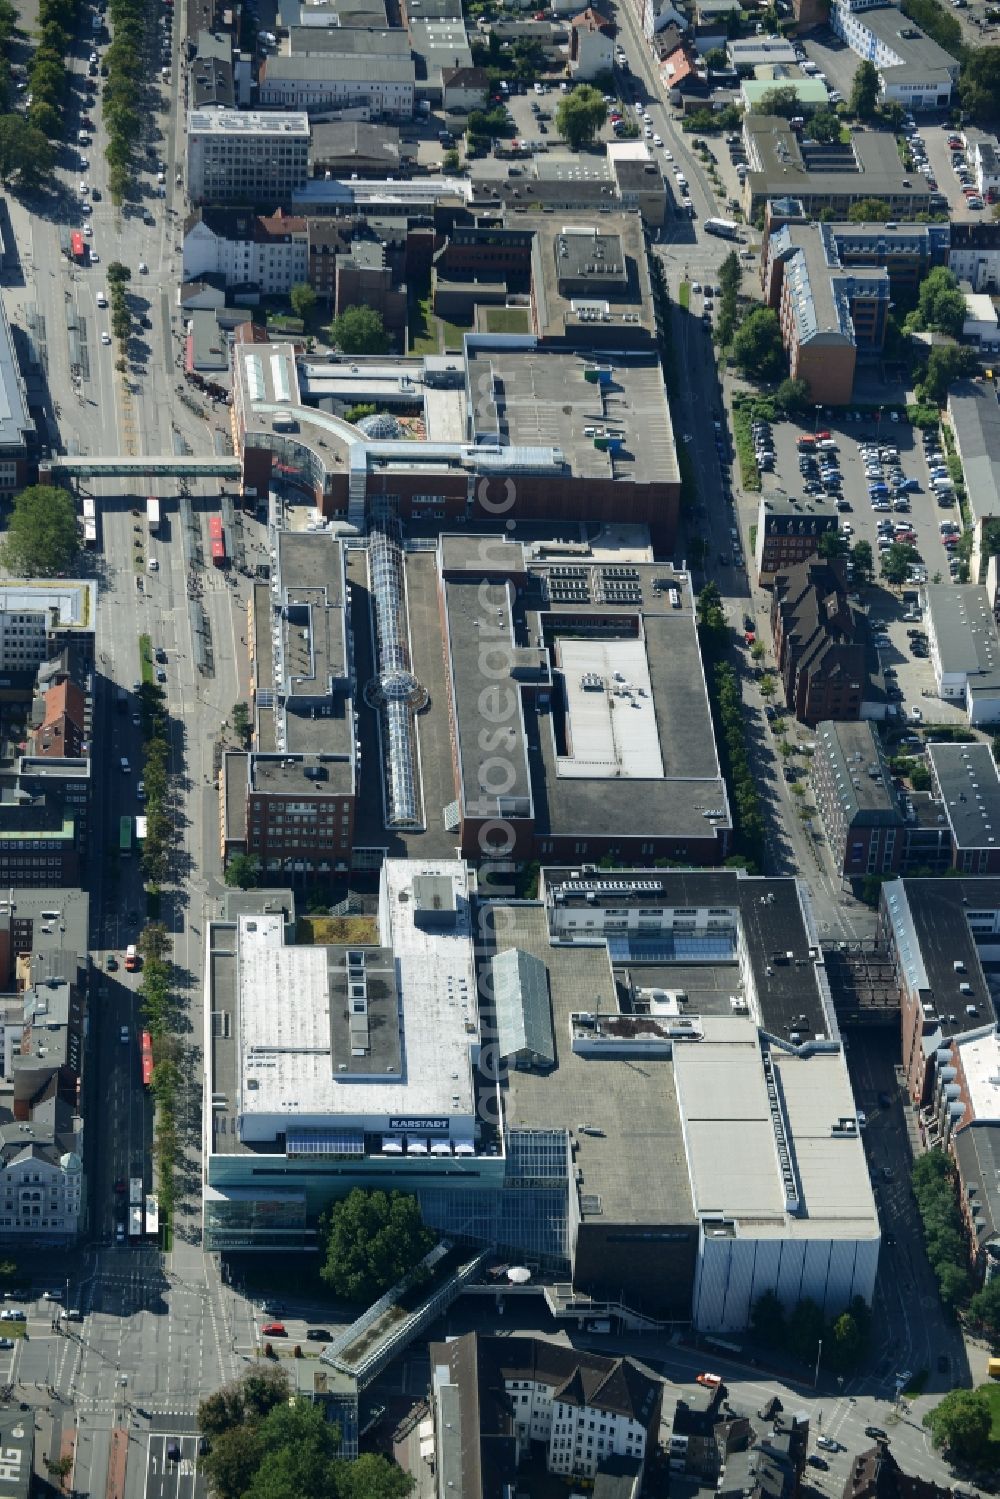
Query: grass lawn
x=423 y=326
x=749 y=472
x=454 y=333
x=507 y=320
x=146 y=658
x=992 y=1392
x=684 y=295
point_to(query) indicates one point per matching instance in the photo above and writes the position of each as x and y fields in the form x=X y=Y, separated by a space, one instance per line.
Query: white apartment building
x=245 y=249
x=318 y=81
x=588 y=1409
x=22 y=638
x=914 y=71
x=246 y=157
x=974 y=255
x=41 y=1191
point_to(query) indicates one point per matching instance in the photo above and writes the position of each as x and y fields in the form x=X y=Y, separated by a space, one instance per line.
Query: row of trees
x=944 y=1237
x=42 y=536
x=730 y=280
x=48 y=75
x=266 y=1444
x=730 y=726
x=118 y=277
x=26 y=155
x=800 y=1332
x=121 y=102
x=158 y=1017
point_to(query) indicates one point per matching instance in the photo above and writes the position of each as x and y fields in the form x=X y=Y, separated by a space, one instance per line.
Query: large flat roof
x=965 y=631
x=974 y=409
x=734 y=1139
x=979 y=1054
x=290 y=1051
x=630 y=1154
x=533 y=396
x=869 y=167
x=930 y=923
x=223 y=122
x=73 y=601
x=862 y=781
x=920 y=57
x=970 y=789
x=552 y=756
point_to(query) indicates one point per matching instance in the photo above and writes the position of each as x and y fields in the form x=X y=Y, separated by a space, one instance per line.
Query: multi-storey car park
x=636 y=1080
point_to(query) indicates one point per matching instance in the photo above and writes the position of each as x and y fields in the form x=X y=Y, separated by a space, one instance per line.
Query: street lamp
x=819 y=1355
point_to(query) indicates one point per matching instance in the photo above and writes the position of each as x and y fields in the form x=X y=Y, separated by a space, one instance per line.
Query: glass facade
x=249 y=1221
x=528 y=1216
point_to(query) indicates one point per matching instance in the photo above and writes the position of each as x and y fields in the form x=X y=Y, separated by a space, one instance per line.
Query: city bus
x=125 y=837
x=217 y=537
x=147 y=1059
x=89 y=522
x=152 y=1215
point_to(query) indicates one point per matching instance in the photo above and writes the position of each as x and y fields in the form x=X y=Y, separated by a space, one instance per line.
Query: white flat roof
x=287 y=1071
x=731 y=1144
x=980 y=1056
x=611 y=728
x=74 y=602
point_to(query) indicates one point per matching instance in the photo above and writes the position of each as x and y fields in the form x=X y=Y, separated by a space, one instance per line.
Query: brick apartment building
x=789 y=531
x=821 y=642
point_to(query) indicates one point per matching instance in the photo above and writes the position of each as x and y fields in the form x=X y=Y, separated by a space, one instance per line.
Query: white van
x=102 y=300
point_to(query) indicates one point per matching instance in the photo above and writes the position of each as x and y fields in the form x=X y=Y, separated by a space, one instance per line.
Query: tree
x=42 y=535
x=299 y=1454
x=920 y=778
x=767 y=1319
x=961 y=1424
x=805 y=1329
x=451 y=161
x=757 y=652
x=824 y=126
x=831 y=544
x=940 y=305
x=863 y=101
x=372 y=1476
x=25 y=154
x=945 y=364
x=117 y=274
x=372 y=1240
x=243 y=871
x=303 y=300
x=895 y=561
x=359 y=330
x=232 y=1461
x=953 y=1281
x=240 y=719
x=766 y=686
x=757 y=346
x=862 y=561
x=869 y=210
x=580 y=115
x=979 y=83
x=782 y=101
x=792 y=395
x=985 y=1305
x=844 y=1345
x=153 y=939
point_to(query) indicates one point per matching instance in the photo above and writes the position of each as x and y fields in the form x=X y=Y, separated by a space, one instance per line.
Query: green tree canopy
x=945 y=364
x=767 y=1320
x=232 y=1460
x=832 y=544
x=805 y=1329
x=985 y=1305
x=869 y=210
x=242 y=871
x=824 y=126
x=26 y=156
x=863 y=101
x=757 y=346
x=940 y=305
x=299 y=1454
x=42 y=535
x=303 y=299
x=782 y=100
x=961 y=1424
x=359 y=330
x=372 y=1240
x=979 y=84
x=845 y=1344
x=792 y=395
x=580 y=115
x=895 y=561
x=863 y=561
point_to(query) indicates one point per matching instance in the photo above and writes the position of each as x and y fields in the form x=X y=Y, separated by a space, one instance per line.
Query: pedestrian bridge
x=209 y=466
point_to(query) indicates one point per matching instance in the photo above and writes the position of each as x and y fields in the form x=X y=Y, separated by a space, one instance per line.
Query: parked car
x=274 y=1330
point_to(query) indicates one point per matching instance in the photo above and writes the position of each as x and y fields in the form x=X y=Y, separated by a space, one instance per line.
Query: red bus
x=218 y=539
x=76 y=246
x=147 y=1059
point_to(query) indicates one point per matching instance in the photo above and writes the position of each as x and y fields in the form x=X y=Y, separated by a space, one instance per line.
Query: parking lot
x=859 y=521
x=935 y=143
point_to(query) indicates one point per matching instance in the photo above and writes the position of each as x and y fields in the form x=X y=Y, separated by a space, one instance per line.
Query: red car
x=823 y=436
x=274 y=1330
